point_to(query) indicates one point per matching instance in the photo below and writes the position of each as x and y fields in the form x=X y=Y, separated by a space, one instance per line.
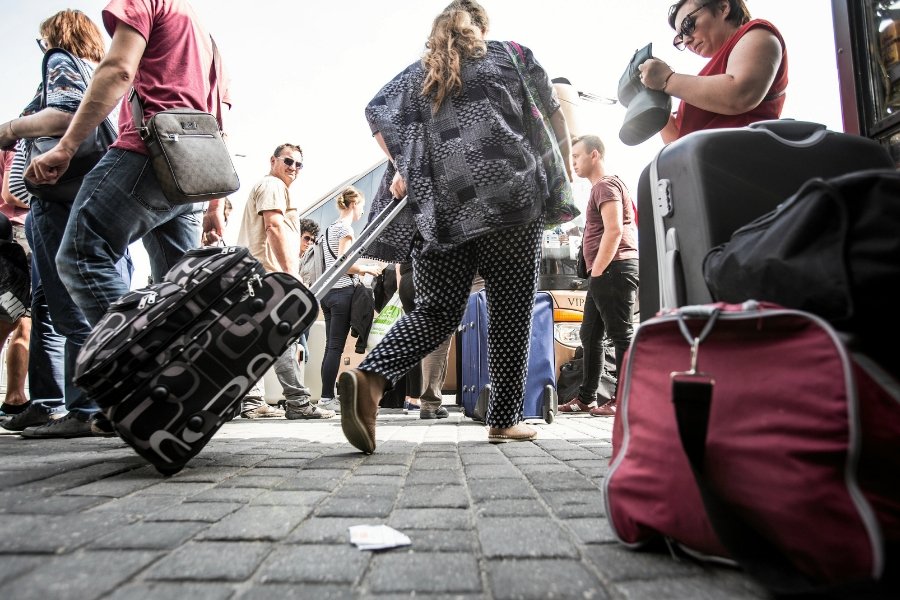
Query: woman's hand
x=398 y=185
x=655 y=74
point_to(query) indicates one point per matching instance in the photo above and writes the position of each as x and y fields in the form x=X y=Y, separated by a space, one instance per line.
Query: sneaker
x=73 y=424
x=101 y=426
x=330 y=404
x=263 y=411
x=576 y=406
x=295 y=410
x=604 y=410
x=34 y=415
x=412 y=405
x=439 y=413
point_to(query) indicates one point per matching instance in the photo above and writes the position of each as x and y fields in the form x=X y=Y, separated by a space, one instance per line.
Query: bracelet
x=666 y=82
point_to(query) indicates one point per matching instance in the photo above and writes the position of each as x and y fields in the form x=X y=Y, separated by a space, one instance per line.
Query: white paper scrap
x=377 y=537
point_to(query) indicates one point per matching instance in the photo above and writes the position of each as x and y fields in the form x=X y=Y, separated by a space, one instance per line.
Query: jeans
x=336 y=307
x=608 y=311
x=49 y=226
x=120 y=202
x=290 y=375
x=46 y=348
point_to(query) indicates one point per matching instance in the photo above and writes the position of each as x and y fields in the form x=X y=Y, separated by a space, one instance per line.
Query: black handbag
x=648 y=110
x=187 y=149
x=86 y=157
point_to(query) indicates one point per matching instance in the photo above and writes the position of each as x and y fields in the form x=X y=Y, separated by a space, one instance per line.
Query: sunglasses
x=688 y=24
x=308 y=238
x=290 y=162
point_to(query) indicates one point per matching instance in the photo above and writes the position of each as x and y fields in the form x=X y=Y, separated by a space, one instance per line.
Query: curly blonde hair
x=348 y=197
x=456 y=34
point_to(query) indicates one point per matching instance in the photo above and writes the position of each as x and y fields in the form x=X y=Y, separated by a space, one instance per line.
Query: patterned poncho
x=469 y=167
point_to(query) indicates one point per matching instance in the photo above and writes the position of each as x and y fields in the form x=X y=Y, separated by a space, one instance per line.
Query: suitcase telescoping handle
x=372 y=230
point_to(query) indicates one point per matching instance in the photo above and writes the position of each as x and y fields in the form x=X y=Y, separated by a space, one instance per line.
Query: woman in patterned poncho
x=454 y=127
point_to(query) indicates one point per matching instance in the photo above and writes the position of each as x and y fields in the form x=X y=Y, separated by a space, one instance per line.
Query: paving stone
x=430 y=518
x=371 y=506
x=575 y=504
x=207 y=512
x=424 y=540
x=304 y=592
x=288 y=498
x=239 y=460
x=210 y=561
x=424 y=573
x=520 y=450
x=389 y=458
x=55 y=534
x=313 y=480
x=78 y=577
x=493 y=472
x=557 y=479
x=148 y=535
x=435 y=464
x=135 y=507
x=420 y=477
x=205 y=473
x=367 y=469
x=683 y=589
x=351 y=489
x=266 y=523
x=88 y=483
x=393 y=481
x=591 y=530
x=53 y=505
x=484 y=459
x=332 y=462
x=542 y=579
x=574 y=454
x=523 y=537
x=434 y=496
x=509 y=507
x=167 y=591
x=241 y=495
x=327 y=530
x=314 y=564
x=618 y=563
x=12 y=567
x=252 y=481
x=485 y=489
x=177 y=488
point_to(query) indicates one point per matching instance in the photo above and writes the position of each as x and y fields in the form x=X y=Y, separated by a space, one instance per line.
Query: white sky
x=303 y=71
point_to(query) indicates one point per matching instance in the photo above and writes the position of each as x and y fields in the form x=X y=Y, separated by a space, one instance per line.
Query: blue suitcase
x=540 y=385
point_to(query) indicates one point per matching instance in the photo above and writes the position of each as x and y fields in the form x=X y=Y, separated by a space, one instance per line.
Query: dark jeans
x=336 y=306
x=608 y=311
x=46 y=347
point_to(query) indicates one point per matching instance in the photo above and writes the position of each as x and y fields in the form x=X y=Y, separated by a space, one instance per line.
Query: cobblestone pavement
x=263 y=512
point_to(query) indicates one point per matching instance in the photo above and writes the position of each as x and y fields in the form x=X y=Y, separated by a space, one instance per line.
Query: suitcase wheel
x=551 y=403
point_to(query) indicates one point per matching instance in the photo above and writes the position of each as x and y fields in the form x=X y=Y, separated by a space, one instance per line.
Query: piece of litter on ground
x=377 y=537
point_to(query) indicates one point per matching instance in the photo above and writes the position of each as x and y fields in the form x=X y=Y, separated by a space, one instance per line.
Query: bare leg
x=17 y=363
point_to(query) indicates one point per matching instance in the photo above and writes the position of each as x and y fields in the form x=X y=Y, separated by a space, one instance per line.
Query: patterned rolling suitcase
x=698 y=190
x=540 y=384
x=169 y=363
x=750 y=432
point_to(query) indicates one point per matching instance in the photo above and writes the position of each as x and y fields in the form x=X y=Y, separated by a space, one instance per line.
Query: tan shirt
x=270 y=193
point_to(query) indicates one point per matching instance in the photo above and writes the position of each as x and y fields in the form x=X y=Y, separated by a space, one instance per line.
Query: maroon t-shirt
x=609 y=189
x=176 y=68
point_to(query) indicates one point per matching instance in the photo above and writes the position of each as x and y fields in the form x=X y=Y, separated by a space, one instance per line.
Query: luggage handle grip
x=789 y=129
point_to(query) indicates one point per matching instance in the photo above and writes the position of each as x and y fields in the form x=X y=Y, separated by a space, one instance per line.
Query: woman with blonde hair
x=67 y=76
x=336 y=305
x=456 y=126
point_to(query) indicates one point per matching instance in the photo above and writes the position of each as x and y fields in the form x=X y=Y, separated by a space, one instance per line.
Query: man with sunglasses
x=743 y=82
x=271 y=231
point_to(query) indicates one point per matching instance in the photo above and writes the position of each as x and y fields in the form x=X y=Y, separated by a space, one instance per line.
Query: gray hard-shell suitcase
x=168 y=364
x=698 y=190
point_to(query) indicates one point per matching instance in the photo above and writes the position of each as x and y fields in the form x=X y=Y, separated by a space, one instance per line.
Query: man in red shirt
x=611 y=256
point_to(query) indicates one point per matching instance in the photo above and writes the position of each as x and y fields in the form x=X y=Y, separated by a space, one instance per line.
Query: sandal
x=516 y=433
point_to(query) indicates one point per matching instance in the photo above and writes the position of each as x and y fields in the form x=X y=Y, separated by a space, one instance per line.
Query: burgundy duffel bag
x=749 y=432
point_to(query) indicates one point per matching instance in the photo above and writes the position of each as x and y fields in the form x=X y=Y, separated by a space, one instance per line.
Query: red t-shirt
x=15 y=213
x=690 y=118
x=176 y=68
x=609 y=189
